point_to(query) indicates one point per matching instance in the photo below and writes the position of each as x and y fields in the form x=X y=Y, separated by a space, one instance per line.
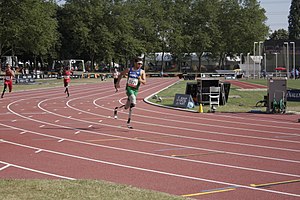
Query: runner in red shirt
x=67 y=78
x=8 y=79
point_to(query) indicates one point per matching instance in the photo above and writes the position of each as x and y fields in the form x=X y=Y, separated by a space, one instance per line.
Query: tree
x=241 y=24
x=39 y=27
x=84 y=31
x=126 y=25
x=294 y=20
x=203 y=27
x=10 y=31
x=32 y=30
x=280 y=34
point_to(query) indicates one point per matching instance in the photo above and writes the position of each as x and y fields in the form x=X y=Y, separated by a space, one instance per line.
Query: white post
x=287 y=59
x=276 y=64
x=248 y=58
x=294 y=60
x=265 y=59
x=259 y=52
x=241 y=54
x=254 y=59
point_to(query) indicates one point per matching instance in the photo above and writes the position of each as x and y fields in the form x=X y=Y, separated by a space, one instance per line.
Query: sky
x=277 y=12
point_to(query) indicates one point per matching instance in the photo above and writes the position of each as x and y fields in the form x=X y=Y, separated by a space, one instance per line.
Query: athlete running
x=67 y=78
x=135 y=76
x=8 y=79
x=116 y=77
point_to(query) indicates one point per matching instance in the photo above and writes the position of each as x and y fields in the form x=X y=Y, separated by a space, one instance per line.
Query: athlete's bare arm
x=142 y=78
x=123 y=73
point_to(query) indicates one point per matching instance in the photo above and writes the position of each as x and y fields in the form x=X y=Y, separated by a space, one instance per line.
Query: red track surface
x=215 y=155
x=245 y=85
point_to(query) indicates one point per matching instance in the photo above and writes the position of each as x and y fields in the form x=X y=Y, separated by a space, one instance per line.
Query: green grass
x=75 y=190
x=238 y=101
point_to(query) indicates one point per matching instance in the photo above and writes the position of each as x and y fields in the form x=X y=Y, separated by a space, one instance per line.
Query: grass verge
x=75 y=190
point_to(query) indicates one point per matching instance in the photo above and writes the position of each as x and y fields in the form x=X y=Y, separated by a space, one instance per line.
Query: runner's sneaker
x=116 y=113
x=129 y=126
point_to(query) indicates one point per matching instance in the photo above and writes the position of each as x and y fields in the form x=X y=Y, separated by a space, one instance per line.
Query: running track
x=44 y=135
x=245 y=85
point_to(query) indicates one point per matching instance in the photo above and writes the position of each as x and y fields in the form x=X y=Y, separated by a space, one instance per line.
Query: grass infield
x=75 y=190
x=238 y=101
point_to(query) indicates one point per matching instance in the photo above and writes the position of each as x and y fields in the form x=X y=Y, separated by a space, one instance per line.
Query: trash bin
x=225 y=92
x=191 y=88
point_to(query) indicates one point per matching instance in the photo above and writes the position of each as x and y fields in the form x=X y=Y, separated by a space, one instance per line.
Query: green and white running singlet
x=133 y=83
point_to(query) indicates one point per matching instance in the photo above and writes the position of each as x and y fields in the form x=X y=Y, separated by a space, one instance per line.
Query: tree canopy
x=117 y=30
x=294 y=20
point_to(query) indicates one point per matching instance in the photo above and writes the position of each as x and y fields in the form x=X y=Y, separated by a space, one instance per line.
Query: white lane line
x=187 y=137
x=157 y=171
x=186 y=147
x=164 y=156
x=34 y=113
x=38 y=151
x=37 y=171
x=213 y=125
x=4 y=167
x=175 y=145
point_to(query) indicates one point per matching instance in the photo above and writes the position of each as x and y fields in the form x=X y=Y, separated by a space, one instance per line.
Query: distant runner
x=135 y=76
x=67 y=78
x=8 y=79
x=116 y=77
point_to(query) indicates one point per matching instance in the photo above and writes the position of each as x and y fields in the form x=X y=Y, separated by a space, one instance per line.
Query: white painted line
x=22 y=132
x=90 y=126
x=38 y=151
x=4 y=167
x=41 y=126
x=38 y=171
x=56 y=121
x=60 y=140
x=158 y=171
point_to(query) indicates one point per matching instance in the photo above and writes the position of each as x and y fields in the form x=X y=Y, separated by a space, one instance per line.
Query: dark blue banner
x=293 y=95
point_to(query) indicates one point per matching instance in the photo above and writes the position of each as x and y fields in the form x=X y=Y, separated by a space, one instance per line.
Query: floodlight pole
x=265 y=58
x=259 y=51
x=254 y=59
x=276 y=64
x=248 y=58
x=294 y=60
x=241 y=54
x=287 y=59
